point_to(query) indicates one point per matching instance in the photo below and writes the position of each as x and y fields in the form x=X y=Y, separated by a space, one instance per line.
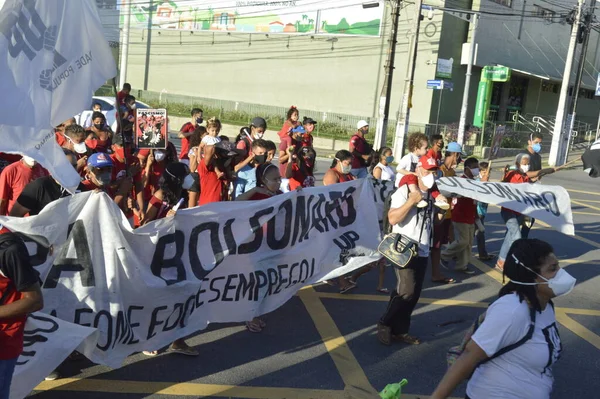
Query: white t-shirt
x=387 y=173
x=410 y=226
x=406 y=163
x=524 y=372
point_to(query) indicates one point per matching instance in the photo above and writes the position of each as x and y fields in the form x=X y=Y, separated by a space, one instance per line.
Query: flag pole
x=119 y=120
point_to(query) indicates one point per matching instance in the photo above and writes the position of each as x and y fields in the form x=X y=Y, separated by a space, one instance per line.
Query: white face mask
x=345 y=168
x=187 y=182
x=428 y=180
x=524 y=168
x=28 y=161
x=561 y=284
x=259 y=135
x=80 y=148
x=159 y=155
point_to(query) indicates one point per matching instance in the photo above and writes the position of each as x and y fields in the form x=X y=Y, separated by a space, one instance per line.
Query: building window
x=585 y=93
x=506 y=3
x=550 y=87
x=544 y=13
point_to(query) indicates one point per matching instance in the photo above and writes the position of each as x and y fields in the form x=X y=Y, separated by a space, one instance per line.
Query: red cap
x=427 y=163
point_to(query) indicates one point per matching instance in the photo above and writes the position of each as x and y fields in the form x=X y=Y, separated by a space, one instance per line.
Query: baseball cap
x=259 y=122
x=100 y=160
x=300 y=129
x=427 y=163
x=308 y=120
x=361 y=124
x=454 y=147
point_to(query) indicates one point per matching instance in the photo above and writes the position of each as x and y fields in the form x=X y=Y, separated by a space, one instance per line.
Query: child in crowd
x=481 y=213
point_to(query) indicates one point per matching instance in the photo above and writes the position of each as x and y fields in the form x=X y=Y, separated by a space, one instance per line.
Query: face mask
x=259 y=135
x=187 y=182
x=159 y=155
x=99 y=126
x=561 y=284
x=524 y=168
x=120 y=152
x=28 y=161
x=260 y=159
x=389 y=159
x=475 y=172
x=428 y=180
x=199 y=121
x=537 y=147
x=132 y=106
x=272 y=186
x=104 y=179
x=80 y=148
x=346 y=168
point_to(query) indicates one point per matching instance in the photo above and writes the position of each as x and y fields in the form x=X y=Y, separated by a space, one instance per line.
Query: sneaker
x=422 y=204
x=466 y=270
x=55 y=375
x=384 y=334
x=442 y=205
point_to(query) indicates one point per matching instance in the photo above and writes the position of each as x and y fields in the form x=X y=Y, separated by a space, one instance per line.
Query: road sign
x=598 y=85
x=438 y=84
x=444 y=68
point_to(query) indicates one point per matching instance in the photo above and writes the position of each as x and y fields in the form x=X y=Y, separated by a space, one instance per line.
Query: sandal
x=184 y=351
x=407 y=339
x=384 y=334
x=261 y=323
x=383 y=290
x=347 y=288
x=150 y=353
x=253 y=326
x=486 y=257
x=444 y=280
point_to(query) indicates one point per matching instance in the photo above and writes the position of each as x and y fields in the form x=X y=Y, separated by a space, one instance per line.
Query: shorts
x=196 y=185
x=441 y=233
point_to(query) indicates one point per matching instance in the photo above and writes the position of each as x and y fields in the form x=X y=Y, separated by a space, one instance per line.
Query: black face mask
x=199 y=121
x=99 y=126
x=260 y=159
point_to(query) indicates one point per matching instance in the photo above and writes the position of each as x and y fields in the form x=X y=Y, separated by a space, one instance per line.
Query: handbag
x=400 y=249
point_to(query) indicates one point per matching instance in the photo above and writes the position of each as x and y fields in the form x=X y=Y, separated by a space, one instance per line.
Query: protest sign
x=551 y=204
x=497 y=141
x=47 y=342
x=53 y=57
x=221 y=262
x=151 y=128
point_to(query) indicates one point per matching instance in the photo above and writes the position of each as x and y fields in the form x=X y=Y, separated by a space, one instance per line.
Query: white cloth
x=410 y=226
x=387 y=173
x=405 y=164
x=524 y=372
x=210 y=140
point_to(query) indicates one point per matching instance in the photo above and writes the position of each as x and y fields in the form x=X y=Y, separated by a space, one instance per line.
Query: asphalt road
x=321 y=342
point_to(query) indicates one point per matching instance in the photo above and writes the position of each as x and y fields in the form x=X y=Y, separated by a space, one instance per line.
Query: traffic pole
x=125 y=42
x=148 y=45
x=558 y=137
x=465 y=101
x=404 y=111
x=386 y=91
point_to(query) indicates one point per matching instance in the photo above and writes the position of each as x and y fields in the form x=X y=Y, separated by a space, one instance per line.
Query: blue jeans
x=359 y=173
x=513 y=231
x=6 y=371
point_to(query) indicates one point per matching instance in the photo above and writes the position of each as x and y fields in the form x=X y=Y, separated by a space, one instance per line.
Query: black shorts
x=196 y=186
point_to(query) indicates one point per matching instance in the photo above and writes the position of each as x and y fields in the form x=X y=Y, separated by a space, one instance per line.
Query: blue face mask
x=389 y=159
x=537 y=147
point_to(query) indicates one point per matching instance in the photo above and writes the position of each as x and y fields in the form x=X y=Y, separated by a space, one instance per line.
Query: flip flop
x=253 y=327
x=184 y=351
x=445 y=280
x=150 y=353
x=347 y=288
x=383 y=290
x=487 y=257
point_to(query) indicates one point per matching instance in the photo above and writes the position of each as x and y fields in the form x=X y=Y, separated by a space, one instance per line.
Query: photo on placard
x=151 y=129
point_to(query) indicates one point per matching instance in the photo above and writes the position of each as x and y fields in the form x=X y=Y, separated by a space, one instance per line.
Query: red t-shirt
x=437 y=155
x=156 y=171
x=342 y=178
x=465 y=209
x=185 y=142
x=88 y=185
x=412 y=179
x=300 y=179
x=516 y=177
x=211 y=187
x=241 y=145
x=118 y=170
x=358 y=144
x=15 y=177
x=307 y=140
x=121 y=97
x=60 y=138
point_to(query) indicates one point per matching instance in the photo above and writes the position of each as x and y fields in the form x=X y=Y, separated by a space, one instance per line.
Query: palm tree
x=304 y=17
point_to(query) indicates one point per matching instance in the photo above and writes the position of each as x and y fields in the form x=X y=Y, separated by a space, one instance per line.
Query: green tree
x=343 y=26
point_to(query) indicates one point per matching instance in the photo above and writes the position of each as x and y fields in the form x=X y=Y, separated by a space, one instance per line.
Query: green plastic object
x=393 y=391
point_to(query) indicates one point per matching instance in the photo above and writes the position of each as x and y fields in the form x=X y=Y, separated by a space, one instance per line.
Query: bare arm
x=3 y=206
x=283 y=156
x=244 y=162
x=18 y=210
x=152 y=212
x=397 y=215
x=330 y=178
x=377 y=173
x=31 y=301
x=194 y=161
x=209 y=152
x=460 y=370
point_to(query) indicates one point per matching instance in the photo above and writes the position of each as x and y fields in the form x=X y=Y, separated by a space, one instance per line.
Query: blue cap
x=454 y=147
x=300 y=129
x=100 y=160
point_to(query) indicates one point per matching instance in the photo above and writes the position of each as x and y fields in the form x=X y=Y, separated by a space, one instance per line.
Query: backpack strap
x=527 y=337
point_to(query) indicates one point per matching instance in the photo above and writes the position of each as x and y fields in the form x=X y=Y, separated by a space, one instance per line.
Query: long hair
x=341 y=155
x=290 y=112
x=530 y=253
x=307 y=152
x=377 y=157
x=171 y=181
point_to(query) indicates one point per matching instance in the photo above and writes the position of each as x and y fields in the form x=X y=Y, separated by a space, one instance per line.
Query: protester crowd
x=152 y=184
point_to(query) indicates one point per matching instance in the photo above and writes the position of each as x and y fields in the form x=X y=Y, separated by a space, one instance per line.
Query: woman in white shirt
x=382 y=169
x=525 y=371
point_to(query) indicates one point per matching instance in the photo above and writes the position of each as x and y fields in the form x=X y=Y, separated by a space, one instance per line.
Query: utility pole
x=125 y=42
x=585 y=35
x=404 y=111
x=148 y=44
x=386 y=90
x=465 y=101
x=560 y=131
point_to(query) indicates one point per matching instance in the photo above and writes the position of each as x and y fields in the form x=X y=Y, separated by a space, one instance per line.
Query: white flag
x=52 y=59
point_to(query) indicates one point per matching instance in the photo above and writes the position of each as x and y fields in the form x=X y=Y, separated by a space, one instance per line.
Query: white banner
x=222 y=262
x=52 y=59
x=47 y=342
x=381 y=190
x=551 y=204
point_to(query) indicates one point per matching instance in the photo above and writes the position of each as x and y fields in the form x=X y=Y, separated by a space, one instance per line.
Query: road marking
x=487 y=270
x=350 y=370
x=577 y=328
x=585 y=205
x=584 y=192
x=587 y=200
x=184 y=389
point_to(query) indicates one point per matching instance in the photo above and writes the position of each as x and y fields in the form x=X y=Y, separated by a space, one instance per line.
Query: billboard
x=292 y=17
